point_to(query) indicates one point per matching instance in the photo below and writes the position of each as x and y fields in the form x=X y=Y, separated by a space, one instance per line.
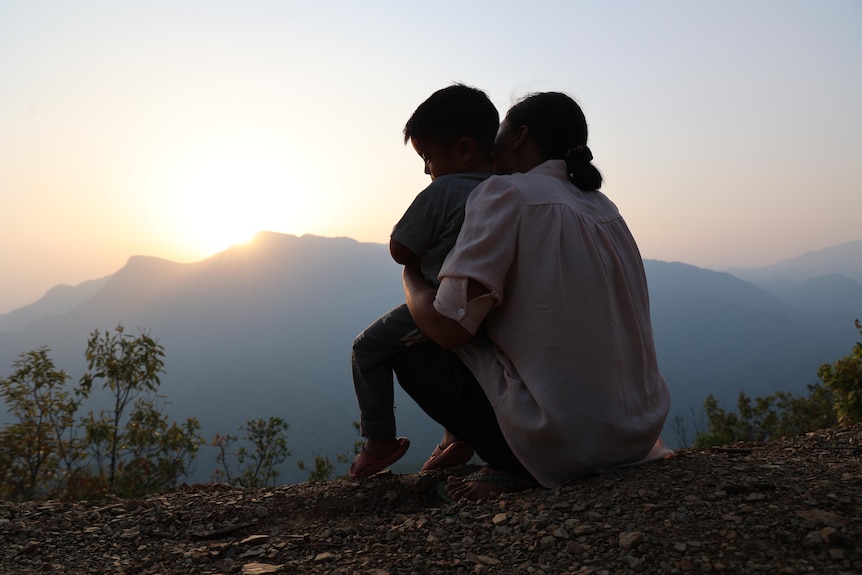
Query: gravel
x=789 y=506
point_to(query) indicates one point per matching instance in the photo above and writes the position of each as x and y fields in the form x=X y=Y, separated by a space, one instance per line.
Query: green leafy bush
x=844 y=379
x=128 y=450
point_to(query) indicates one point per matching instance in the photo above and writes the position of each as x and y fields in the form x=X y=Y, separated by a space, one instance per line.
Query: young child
x=453 y=132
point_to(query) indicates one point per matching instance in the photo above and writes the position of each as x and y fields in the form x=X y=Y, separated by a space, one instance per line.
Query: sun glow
x=223 y=195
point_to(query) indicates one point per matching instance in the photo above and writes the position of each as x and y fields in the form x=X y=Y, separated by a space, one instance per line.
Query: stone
x=259 y=568
x=812 y=539
x=828 y=534
x=630 y=539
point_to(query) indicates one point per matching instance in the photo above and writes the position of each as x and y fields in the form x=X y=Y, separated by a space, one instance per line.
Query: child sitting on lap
x=453 y=132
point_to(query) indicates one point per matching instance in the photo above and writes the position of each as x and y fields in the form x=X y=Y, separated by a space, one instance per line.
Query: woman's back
x=576 y=389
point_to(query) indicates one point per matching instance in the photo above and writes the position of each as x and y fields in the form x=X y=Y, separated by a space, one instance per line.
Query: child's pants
x=373 y=351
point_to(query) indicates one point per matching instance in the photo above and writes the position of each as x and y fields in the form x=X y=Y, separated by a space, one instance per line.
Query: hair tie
x=580 y=153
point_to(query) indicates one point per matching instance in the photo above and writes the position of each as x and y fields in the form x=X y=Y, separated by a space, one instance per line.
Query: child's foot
x=377 y=455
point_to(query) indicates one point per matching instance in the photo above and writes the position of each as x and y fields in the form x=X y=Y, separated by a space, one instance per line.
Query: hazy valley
x=265 y=329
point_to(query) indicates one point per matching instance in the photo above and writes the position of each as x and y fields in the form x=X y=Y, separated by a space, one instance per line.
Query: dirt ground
x=789 y=506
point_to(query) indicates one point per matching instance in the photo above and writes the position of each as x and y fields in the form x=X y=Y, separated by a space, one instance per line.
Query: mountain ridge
x=841 y=258
x=57 y=300
x=62 y=298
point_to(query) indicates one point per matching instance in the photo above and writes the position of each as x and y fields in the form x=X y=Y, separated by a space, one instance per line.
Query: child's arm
x=402 y=254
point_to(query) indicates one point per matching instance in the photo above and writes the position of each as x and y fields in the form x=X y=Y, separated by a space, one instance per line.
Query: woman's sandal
x=366 y=465
x=456 y=453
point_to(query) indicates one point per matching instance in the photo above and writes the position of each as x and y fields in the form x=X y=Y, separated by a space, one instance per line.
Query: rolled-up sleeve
x=451 y=301
x=483 y=253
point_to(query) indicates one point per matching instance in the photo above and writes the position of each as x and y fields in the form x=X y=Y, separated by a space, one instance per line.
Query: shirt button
x=461 y=311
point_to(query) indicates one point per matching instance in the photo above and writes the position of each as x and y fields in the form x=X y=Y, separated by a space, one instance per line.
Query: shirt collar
x=554 y=168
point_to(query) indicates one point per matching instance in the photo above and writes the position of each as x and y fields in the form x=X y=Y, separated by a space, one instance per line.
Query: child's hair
x=454 y=112
x=559 y=127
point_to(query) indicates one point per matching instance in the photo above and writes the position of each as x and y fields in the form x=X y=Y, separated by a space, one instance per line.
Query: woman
x=544 y=301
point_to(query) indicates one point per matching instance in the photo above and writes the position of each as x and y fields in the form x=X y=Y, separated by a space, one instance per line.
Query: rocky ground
x=790 y=506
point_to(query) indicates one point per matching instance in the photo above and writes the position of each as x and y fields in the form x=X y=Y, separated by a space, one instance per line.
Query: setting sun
x=216 y=196
x=222 y=201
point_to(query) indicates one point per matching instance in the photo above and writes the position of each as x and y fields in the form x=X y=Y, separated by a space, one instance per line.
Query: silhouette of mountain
x=265 y=329
x=844 y=259
x=257 y=330
x=721 y=335
x=833 y=294
x=58 y=300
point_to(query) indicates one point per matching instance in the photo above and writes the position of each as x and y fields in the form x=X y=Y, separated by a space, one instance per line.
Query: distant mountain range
x=843 y=259
x=265 y=329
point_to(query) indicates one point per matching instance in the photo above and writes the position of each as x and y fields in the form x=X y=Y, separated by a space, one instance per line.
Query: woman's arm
x=444 y=331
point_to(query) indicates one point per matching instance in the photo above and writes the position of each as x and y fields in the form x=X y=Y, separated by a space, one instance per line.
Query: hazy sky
x=729 y=133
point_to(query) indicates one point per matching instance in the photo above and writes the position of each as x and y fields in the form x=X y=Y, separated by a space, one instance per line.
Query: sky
x=728 y=133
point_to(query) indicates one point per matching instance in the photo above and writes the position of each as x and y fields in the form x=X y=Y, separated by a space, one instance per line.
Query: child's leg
x=373 y=350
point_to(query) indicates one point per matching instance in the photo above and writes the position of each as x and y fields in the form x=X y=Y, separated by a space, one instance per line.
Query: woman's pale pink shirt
x=569 y=362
